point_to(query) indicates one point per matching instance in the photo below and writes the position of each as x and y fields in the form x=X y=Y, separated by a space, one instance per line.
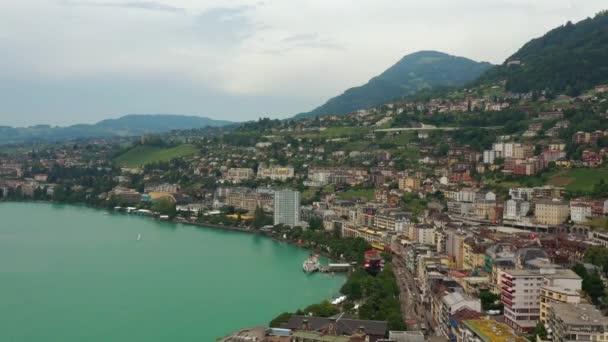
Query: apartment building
x=455 y=248
x=551 y=212
x=287 y=207
x=521 y=293
x=164 y=187
x=277 y=173
x=516 y=210
x=580 y=212
x=450 y=304
x=249 y=199
x=238 y=174
x=577 y=322
x=554 y=294
x=378 y=239
x=486 y=330
x=411 y=183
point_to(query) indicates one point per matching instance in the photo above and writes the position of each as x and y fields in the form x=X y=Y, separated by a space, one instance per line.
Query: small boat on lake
x=311 y=264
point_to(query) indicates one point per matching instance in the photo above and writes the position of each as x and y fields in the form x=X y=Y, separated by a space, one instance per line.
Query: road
x=409 y=294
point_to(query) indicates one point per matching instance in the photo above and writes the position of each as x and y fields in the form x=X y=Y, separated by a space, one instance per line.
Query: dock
x=335 y=268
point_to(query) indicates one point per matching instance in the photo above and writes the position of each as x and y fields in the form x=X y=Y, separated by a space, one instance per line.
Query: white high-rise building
x=287 y=207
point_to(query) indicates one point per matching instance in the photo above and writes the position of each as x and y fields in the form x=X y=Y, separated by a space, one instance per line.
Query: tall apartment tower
x=287 y=207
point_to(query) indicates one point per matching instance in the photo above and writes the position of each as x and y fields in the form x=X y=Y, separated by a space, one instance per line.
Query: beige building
x=376 y=238
x=279 y=173
x=455 y=248
x=577 y=322
x=551 y=295
x=411 y=183
x=238 y=174
x=551 y=212
x=473 y=255
x=246 y=199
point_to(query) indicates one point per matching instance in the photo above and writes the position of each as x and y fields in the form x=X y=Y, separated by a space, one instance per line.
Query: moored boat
x=311 y=264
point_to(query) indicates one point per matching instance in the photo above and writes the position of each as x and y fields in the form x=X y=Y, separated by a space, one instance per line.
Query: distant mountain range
x=568 y=59
x=414 y=72
x=128 y=125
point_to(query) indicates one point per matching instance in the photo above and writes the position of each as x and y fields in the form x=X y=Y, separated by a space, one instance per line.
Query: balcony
x=506 y=288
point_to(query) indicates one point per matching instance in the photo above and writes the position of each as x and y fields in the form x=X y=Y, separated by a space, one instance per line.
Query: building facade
x=287 y=207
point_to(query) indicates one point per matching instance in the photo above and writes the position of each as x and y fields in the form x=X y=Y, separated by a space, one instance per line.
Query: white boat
x=311 y=264
x=138 y=237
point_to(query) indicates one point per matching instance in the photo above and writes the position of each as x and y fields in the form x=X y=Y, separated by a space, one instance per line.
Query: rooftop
x=492 y=331
x=579 y=314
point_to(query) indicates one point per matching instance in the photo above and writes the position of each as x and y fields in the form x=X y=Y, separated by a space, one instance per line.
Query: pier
x=335 y=268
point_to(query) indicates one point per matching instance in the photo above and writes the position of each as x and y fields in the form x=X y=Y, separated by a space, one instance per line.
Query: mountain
x=567 y=59
x=128 y=125
x=419 y=70
x=146 y=123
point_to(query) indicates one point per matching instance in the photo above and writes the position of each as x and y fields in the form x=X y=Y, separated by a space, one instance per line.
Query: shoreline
x=189 y=223
x=200 y=225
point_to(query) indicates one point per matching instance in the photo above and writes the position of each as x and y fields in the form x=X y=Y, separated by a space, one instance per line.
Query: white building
x=516 y=209
x=466 y=195
x=489 y=156
x=521 y=293
x=287 y=207
x=425 y=235
x=580 y=212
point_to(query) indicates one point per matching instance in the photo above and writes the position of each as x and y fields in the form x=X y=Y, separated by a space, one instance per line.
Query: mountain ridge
x=413 y=72
x=569 y=58
x=126 y=125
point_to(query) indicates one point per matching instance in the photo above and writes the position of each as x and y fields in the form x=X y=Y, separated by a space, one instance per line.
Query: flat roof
x=492 y=331
x=318 y=337
x=579 y=314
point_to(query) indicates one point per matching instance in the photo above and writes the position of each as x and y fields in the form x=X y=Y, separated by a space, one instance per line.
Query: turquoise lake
x=71 y=273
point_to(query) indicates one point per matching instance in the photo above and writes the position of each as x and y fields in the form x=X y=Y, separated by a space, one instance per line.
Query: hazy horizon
x=88 y=60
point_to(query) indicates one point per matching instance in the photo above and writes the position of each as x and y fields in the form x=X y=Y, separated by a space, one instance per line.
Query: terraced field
x=141 y=155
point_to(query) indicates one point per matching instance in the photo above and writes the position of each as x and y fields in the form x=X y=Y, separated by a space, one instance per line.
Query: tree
x=594 y=287
x=165 y=207
x=260 y=219
x=540 y=331
x=281 y=318
x=490 y=301
x=323 y=309
x=315 y=223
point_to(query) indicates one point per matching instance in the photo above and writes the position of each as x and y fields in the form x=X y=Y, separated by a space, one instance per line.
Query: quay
x=335 y=268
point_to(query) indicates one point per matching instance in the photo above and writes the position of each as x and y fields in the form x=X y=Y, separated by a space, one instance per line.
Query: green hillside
x=141 y=154
x=420 y=70
x=568 y=59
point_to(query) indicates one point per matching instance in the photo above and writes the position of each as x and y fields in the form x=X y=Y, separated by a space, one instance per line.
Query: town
x=488 y=207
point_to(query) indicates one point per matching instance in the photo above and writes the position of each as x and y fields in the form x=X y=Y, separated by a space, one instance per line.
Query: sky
x=64 y=62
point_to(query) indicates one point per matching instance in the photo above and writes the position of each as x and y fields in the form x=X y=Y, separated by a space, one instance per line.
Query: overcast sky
x=81 y=61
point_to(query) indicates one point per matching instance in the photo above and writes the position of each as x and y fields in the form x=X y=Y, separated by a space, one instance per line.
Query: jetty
x=335 y=268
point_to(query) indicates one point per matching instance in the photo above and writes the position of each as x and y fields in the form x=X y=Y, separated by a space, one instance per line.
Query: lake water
x=70 y=273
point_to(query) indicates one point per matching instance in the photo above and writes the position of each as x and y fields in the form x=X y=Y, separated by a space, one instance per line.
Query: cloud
x=225 y=25
x=84 y=59
x=300 y=37
x=141 y=5
x=300 y=41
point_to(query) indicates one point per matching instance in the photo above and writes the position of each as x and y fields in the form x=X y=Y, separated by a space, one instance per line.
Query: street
x=414 y=312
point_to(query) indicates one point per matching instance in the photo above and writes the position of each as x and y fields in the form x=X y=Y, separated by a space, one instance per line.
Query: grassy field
x=598 y=223
x=141 y=155
x=352 y=194
x=578 y=179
